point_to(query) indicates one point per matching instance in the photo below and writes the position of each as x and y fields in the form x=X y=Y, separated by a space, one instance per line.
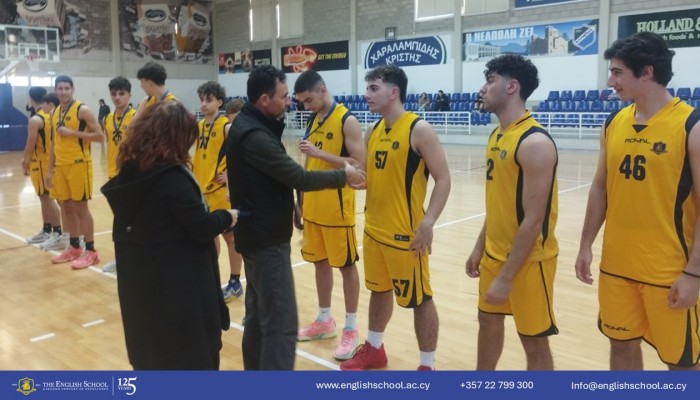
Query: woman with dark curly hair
x=168 y=278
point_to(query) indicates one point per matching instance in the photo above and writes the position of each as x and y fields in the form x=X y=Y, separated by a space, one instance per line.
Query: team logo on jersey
x=395 y=145
x=659 y=148
x=329 y=136
x=503 y=155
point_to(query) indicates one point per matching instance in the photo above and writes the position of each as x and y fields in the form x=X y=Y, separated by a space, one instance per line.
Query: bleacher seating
x=553 y=95
x=604 y=94
x=696 y=94
x=565 y=95
x=579 y=95
x=683 y=93
x=593 y=95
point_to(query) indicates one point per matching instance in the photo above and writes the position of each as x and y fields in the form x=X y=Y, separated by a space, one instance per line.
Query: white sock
x=324 y=314
x=427 y=358
x=350 y=320
x=375 y=338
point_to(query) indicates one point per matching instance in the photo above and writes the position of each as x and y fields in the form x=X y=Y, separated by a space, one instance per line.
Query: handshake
x=355 y=177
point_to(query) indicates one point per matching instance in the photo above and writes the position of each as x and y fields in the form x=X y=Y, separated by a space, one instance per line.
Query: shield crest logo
x=659 y=148
x=26 y=386
x=584 y=36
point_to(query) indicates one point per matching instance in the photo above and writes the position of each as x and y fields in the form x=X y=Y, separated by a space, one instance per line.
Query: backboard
x=19 y=42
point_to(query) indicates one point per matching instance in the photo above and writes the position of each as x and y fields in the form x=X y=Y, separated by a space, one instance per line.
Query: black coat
x=167 y=271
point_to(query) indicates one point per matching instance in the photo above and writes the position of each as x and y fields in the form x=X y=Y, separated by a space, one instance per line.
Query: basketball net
x=33 y=61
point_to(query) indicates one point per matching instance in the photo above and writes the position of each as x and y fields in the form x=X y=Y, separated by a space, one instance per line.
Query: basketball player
x=152 y=77
x=646 y=189
x=515 y=255
x=35 y=163
x=209 y=169
x=333 y=136
x=116 y=124
x=402 y=151
x=74 y=127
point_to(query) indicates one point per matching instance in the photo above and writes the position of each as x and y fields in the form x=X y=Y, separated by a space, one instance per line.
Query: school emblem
x=395 y=146
x=659 y=148
x=26 y=386
x=329 y=136
x=503 y=155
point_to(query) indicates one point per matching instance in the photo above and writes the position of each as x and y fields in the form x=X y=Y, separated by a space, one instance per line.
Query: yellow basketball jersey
x=69 y=149
x=650 y=214
x=504 y=196
x=115 y=129
x=397 y=181
x=43 y=140
x=329 y=207
x=167 y=96
x=209 y=158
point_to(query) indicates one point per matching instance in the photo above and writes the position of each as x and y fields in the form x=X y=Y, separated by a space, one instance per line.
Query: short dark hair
x=390 y=74
x=516 y=67
x=51 y=98
x=36 y=93
x=153 y=72
x=308 y=80
x=642 y=49
x=120 y=83
x=63 y=78
x=235 y=105
x=263 y=80
x=212 y=88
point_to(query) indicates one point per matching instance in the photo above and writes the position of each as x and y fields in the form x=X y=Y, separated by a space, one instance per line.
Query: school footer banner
x=537 y=3
x=366 y=385
x=557 y=39
x=318 y=57
x=429 y=50
x=243 y=61
x=679 y=28
x=166 y=31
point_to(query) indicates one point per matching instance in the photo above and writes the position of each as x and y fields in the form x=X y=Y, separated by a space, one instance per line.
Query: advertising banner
x=318 y=57
x=243 y=61
x=537 y=3
x=556 y=39
x=411 y=52
x=679 y=28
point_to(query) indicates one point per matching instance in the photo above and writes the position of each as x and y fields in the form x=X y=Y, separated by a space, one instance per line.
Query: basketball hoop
x=33 y=61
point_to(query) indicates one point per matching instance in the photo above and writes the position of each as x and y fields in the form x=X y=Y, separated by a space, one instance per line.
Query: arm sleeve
x=189 y=211
x=270 y=157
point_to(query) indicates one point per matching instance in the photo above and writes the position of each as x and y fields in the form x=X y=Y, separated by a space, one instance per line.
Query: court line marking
x=42 y=337
x=93 y=323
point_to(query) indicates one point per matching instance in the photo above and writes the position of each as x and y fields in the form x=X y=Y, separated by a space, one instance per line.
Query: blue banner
x=557 y=39
x=428 y=50
x=404 y=385
x=537 y=3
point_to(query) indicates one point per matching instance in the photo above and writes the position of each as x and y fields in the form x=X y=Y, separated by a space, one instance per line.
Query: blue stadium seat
x=581 y=106
x=696 y=94
x=454 y=97
x=671 y=91
x=596 y=106
x=695 y=104
x=553 y=95
x=463 y=106
x=605 y=93
x=593 y=95
x=410 y=97
x=565 y=95
x=567 y=106
x=579 y=95
x=485 y=118
x=611 y=106
x=466 y=96
x=683 y=93
x=475 y=96
x=543 y=106
x=555 y=106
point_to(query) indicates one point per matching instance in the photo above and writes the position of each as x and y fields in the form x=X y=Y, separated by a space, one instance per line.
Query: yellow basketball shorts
x=531 y=300
x=73 y=182
x=218 y=199
x=338 y=244
x=632 y=310
x=37 y=172
x=389 y=268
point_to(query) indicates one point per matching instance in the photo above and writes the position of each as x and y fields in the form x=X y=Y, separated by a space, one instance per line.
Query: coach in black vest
x=261 y=178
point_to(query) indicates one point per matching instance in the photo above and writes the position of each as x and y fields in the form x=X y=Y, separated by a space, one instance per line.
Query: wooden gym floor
x=54 y=318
